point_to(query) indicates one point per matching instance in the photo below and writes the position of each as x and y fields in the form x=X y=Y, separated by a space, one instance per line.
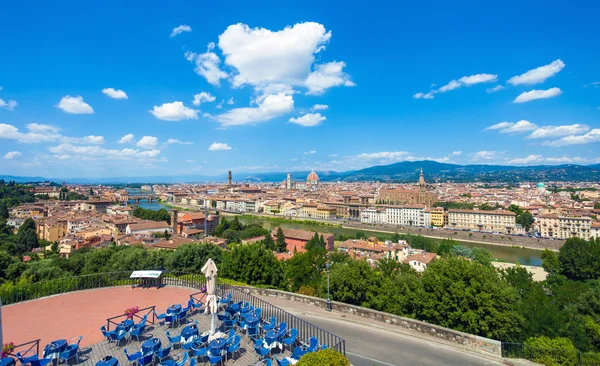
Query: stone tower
x=229 y=178
x=422 y=188
x=174 y=221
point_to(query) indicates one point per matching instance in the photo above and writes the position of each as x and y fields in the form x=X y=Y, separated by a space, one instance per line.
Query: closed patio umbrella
x=210 y=271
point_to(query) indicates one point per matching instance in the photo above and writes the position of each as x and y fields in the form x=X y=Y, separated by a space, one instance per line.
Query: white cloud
x=311 y=152
x=175 y=141
x=455 y=84
x=203 y=97
x=270 y=107
x=231 y=101
x=182 y=28
x=219 y=146
x=12 y=155
x=510 y=127
x=74 y=105
x=148 y=142
x=538 y=75
x=207 y=65
x=333 y=155
x=190 y=161
x=97 y=152
x=129 y=138
x=327 y=76
x=527 y=160
x=220 y=105
x=456 y=153
x=593 y=84
x=588 y=138
x=558 y=131
x=386 y=155
x=486 y=155
x=319 y=107
x=115 y=93
x=309 y=120
x=175 y=111
x=10 y=105
x=37 y=133
x=537 y=94
x=494 y=89
x=92 y=140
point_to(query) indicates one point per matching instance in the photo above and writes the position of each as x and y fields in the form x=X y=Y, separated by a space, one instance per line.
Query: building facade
x=565 y=227
x=488 y=221
x=408 y=196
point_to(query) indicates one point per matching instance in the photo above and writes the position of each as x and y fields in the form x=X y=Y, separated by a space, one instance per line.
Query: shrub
x=327 y=357
x=307 y=290
x=551 y=351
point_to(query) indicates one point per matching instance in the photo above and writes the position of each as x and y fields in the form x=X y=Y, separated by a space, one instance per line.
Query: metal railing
x=150 y=310
x=305 y=329
x=556 y=356
x=27 y=349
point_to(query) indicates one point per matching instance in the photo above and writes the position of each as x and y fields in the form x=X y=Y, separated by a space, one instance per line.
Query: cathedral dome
x=312 y=177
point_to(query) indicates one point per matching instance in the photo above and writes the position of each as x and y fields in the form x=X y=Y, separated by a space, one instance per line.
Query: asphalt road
x=369 y=346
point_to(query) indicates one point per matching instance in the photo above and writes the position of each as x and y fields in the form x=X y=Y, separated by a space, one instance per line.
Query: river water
x=501 y=253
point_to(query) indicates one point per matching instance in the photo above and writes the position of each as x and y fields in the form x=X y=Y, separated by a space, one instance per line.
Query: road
x=370 y=343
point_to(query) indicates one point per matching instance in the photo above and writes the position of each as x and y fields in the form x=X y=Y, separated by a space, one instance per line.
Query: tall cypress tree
x=280 y=244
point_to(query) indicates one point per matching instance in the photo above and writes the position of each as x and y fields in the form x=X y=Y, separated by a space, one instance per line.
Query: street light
x=327 y=268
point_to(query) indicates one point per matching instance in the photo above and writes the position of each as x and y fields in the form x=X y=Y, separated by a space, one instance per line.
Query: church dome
x=312 y=177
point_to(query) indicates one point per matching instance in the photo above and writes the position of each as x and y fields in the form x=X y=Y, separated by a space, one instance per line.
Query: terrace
x=254 y=331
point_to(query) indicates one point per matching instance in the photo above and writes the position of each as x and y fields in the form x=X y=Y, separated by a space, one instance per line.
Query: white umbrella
x=210 y=271
x=1 y=335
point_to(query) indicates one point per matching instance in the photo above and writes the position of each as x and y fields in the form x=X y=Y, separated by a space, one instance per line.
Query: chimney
x=174 y=221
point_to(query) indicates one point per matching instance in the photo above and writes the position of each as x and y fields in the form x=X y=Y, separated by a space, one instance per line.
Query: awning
x=146 y=274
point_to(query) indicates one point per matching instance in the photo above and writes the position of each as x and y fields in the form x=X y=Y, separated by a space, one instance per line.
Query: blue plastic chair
x=199 y=352
x=282 y=329
x=313 y=344
x=146 y=360
x=298 y=353
x=230 y=336
x=270 y=325
x=192 y=362
x=240 y=325
x=174 y=340
x=215 y=359
x=261 y=350
x=69 y=354
x=182 y=316
x=234 y=347
x=223 y=316
x=40 y=362
x=291 y=340
x=182 y=362
x=160 y=317
x=117 y=337
x=162 y=353
x=132 y=357
x=225 y=300
x=282 y=361
x=137 y=332
x=25 y=360
x=229 y=324
x=253 y=334
x=258 y=312
x=142 y=322
x=170 y=319
x=108 y=335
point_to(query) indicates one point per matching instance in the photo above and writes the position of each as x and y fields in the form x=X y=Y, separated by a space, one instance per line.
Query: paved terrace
x=82 y=313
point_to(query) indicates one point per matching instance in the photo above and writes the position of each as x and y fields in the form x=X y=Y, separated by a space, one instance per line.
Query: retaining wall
x=474 y=342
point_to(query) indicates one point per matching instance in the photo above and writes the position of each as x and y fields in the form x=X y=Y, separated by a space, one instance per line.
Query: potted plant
x=130 y=312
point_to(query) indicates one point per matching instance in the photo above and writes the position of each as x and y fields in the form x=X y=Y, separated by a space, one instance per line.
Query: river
x=500 y=253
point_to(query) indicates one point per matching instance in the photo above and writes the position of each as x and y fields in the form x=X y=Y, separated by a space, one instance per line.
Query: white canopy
x=145 y=274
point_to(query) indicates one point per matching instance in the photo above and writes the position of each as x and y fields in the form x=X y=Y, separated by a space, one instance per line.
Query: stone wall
x=477 y=343
x=507 y=240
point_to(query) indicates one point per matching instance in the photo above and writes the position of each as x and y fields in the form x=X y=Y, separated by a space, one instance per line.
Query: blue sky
x=108 y=89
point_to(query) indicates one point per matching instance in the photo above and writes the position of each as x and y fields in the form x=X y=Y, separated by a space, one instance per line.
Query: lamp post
x=327 y=268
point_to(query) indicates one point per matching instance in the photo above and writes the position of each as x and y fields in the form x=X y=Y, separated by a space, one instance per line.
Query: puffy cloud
x=127 y=139
x=455 y=84
x=37 y=133
x=588 y=138
x=231 y=101
x=219 y=146
x=115 y=93
x=309 y=119
x=456 y=153
x=557 y=131
x=97 y=152
x=311 y=152
x=74 y=105
x=175 y=111
x=10 y=105
x=510 y=127
x=175 y=141
x=178 y=30
x=203 y=97
x=486 y=155
x=12 y=155
x=270 y=107
x=386 y=155
x=92 y=140
x=538 y=75
x=494 y=89
x=148 y=142
x=207 y=66
x=537 y=94
x=527 y=160
x=319 y=107
x=327 y=76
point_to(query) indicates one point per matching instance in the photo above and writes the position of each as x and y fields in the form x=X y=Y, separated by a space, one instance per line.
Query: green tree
x=469 y=297
x=548 y=351
x=269 y=243
x=482 y=256
x=352 y=282
x=252 y=264
x=550 y=262
x=388 y=267
x=327 y=357
x=192 y=257
x=280 y=244
x=303 y=269
x=445 y=247
x=580 y=259
x=596 y=205
x=526 y=220
x=3 y=210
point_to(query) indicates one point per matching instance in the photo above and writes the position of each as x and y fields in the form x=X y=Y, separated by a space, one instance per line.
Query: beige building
x=326 y=212
x=489 y=221
x=408 y=196
x=437 y=216
x=52 y=229
x=564 y=227
x=309 y=210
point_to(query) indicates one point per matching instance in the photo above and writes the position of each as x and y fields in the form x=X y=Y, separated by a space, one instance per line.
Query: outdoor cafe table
x=271 y=337
x=7 y=361
x=151 y=345
x=252 y=320
x=174 y=309
x=54 y=348
x=233 y=308
x=217 y=343
x=108 y=361
x=188 y=332
x=125 y=325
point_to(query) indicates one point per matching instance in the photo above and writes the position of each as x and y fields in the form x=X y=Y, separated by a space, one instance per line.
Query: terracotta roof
x=501 y=213
x=421 y=257
x=149 y=225
x=300 y=234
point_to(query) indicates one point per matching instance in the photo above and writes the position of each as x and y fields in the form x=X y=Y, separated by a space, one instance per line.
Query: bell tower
x=422 y=188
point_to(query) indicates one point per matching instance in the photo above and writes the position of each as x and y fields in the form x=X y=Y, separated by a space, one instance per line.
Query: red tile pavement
x=81 y=313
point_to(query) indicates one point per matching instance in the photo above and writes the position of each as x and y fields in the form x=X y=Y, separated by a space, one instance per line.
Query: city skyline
x=168 y=91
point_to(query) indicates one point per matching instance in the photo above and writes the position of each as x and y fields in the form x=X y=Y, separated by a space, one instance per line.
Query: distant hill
x=405 y=171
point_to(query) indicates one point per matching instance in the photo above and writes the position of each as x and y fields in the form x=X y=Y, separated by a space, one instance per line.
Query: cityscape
x=299 y=184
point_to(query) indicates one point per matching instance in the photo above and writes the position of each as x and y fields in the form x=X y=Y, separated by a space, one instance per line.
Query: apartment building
x=564 y=227
x=437 y=216
x=408 y=215
x=479 y=220
x=373 y=215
